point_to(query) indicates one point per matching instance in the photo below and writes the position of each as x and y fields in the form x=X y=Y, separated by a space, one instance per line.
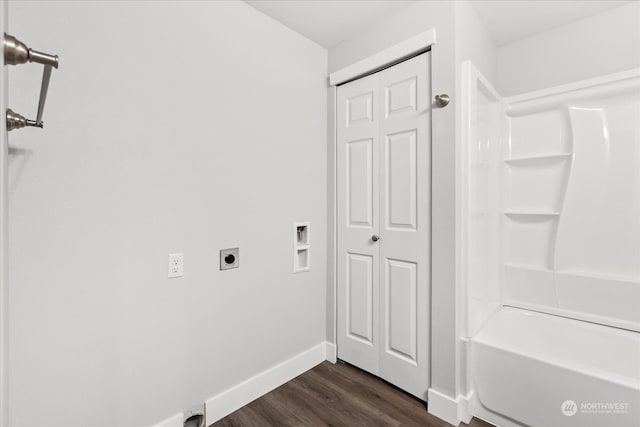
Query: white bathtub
x=525 y=365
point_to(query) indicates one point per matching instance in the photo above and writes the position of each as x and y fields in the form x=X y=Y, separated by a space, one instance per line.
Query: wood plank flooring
x=336 y=395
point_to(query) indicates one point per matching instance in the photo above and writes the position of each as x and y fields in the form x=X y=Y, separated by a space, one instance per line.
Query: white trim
x=249 y=390
x=331 y=352
x=451 y=410
x=173 y=421
x=384 y=57
x=465 y=408
x=335 y=216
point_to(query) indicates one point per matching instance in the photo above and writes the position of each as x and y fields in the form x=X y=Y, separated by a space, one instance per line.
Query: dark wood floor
x=336 y=395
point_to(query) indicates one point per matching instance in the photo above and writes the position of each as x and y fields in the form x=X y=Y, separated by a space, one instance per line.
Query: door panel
x=360 y=109
x=360 y=183
x=400 y=96
x=400 y=184
x=358 y=200
x=384 y=189
x=360 y=297
x=400 y=289
x=406 y=224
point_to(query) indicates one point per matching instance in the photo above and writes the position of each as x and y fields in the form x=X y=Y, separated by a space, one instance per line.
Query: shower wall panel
x=549 y=189
x=571 y=200
x=479 y=226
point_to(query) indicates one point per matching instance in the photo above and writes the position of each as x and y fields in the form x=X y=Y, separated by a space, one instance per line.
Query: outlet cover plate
x=176 y=266
x=229 y=258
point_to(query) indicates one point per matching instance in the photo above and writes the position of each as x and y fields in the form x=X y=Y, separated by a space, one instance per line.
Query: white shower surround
x=526 y=365
x=562 y=237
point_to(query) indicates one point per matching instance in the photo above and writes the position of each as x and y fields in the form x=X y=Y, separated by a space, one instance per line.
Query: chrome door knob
x=442 y=100
x=375 y=237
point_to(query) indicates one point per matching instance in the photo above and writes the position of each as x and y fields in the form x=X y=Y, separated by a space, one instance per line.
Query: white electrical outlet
x=175 y=265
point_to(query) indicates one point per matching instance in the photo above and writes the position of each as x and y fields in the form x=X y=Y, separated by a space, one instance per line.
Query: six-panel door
x=384 y=147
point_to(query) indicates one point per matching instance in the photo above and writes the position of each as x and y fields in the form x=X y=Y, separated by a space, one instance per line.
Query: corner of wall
x=331 y=352
x=474 y=42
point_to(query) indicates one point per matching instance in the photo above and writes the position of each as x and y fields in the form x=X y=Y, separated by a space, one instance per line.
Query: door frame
x=371 y=64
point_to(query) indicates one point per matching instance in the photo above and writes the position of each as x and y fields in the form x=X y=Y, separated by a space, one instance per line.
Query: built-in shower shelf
x=604 y=277
x=535 y=160
x=527 y=267
x=516 y=214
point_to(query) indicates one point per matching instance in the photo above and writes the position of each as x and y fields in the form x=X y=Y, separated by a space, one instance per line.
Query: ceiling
x=327 y=22
x=508 y=21
x=330 y=22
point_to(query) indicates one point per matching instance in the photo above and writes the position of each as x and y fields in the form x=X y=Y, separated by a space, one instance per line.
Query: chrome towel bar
x=17 y=53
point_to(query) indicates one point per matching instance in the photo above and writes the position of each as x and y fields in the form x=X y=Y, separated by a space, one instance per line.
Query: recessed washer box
x=229 y=258
x=301 y=247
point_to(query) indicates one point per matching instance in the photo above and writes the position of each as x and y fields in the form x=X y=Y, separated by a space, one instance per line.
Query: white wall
x=473 y=42
x=169 y=127
x=414 y=19
x=601 y=44
x=4 y=253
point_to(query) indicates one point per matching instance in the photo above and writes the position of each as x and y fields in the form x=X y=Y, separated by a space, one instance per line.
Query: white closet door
x=405 y=224
x=384 y=168
x=358 y=217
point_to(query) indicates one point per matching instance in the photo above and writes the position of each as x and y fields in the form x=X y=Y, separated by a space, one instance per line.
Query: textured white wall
x=601 y=44
x=170 y=127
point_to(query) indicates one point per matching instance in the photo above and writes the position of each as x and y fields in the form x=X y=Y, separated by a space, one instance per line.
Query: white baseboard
x=173 y=421
x=449 y=409
x=249 y=390
x=465 y=408
x=331 y=352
